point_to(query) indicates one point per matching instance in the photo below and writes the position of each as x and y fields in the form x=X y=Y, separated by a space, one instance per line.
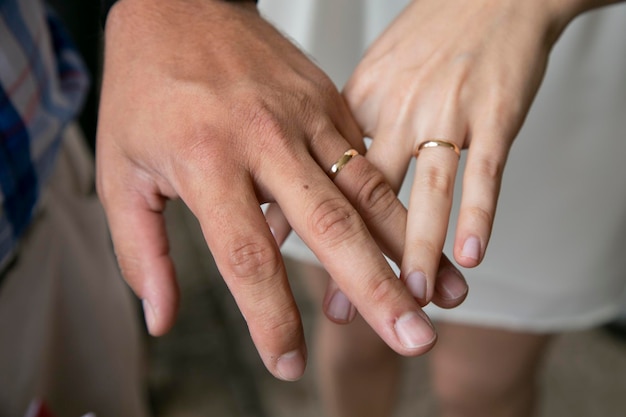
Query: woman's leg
x=357 y=373
x=480 y=371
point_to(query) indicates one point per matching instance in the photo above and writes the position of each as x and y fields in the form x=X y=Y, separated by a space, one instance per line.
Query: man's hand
x=204 y=100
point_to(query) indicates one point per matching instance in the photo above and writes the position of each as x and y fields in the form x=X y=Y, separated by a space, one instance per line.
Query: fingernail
x=290 y=366
x=148 y=314
x=339 y=307
x=413 y=331
x=451 y=285
x=416 y=283
x=471 y=248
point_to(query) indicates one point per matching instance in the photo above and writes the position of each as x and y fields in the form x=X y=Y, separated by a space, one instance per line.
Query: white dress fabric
x=557 y=257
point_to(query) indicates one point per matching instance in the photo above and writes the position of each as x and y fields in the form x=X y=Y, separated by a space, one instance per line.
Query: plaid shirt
x=42 y=85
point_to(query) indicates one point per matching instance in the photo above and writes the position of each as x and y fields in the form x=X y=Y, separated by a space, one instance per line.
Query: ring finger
x=334 y=230
x=429 y=212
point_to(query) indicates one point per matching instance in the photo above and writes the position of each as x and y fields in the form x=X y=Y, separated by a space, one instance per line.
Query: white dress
x=557 y=256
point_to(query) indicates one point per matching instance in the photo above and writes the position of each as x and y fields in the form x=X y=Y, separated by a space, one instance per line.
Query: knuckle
x=437 y=181
x=490 y=169
x=330 y=93
x=265 y=122
x=275 y=327
x=318 y=106
x=131 y=271
x=272 y=130
x=334 y=220
x=375 y=198
x=322 y=86
x=384 y=291
x=283 y=322
x=481 y=216
x=252 y=259
x=129 y=266
x=431 y=248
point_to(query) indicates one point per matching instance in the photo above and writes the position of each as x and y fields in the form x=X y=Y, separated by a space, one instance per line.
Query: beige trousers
x=69 y=330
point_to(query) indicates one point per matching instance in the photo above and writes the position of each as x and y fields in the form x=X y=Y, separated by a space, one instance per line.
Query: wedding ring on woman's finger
x=341 y=162
x=434 y=143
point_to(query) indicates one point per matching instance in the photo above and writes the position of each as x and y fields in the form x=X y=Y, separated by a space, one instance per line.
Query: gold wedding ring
x=433 y=143
x=338 y=166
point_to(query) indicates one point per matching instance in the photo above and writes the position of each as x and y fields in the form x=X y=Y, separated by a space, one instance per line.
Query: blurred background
x=207 y=365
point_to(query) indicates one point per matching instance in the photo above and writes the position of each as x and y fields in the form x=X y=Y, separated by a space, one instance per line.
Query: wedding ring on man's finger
x=341 y=162
x=434 y=143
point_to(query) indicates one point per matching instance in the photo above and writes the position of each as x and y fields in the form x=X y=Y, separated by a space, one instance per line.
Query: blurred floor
x=207 y=365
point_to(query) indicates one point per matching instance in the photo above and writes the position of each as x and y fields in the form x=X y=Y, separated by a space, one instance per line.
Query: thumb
x=141 y=245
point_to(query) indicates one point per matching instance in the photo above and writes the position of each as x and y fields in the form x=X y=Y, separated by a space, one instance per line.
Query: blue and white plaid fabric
x=42 y=86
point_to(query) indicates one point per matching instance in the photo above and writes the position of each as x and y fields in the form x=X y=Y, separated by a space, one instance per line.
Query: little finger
x=482 y=179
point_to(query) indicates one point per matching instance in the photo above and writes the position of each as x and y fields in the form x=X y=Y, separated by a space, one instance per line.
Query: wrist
x=107 y=5
x=563 y=12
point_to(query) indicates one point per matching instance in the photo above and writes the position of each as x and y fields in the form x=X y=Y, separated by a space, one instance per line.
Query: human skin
x=465 y=72
x=205 y=101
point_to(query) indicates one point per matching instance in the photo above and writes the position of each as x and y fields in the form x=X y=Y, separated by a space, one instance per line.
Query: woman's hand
x=459 y=74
